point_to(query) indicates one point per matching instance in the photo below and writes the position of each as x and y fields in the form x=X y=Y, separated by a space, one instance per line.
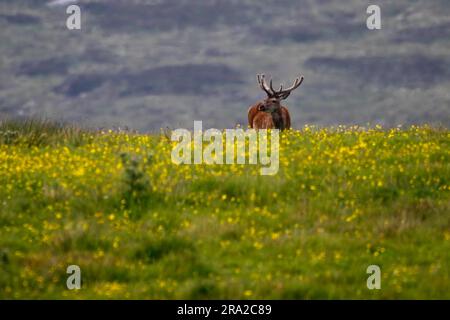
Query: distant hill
x=151 y=64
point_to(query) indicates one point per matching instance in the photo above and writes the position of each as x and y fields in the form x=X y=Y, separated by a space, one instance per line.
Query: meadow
x=140 y=226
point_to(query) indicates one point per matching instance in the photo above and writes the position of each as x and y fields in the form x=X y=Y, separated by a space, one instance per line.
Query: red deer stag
x=269 y=113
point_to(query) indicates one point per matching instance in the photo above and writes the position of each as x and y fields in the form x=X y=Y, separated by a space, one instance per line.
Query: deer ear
x=260 y=107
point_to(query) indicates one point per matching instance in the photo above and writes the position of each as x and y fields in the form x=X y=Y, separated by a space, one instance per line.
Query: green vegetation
x=141 y=227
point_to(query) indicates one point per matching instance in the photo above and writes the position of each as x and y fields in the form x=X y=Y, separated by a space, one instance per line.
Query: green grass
x=141 y=227
x=38 y=132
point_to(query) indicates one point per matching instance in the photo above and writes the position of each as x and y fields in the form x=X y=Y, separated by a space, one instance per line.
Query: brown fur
x=258 y=119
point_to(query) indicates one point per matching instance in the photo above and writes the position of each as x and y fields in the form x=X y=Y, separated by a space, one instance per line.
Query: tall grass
x=38 y=132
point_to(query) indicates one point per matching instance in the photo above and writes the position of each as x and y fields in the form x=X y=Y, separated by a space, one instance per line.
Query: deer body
x=269 y=113
x=259 y=119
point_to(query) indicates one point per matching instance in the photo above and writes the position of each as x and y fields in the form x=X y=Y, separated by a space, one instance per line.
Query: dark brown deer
x=269 y=113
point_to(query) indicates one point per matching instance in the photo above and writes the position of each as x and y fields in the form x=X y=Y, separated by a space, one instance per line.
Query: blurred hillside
x=156 y=63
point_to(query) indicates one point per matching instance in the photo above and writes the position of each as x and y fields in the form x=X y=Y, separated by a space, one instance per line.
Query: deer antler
x=263 y=85
x=280 y=94
x=283 y=94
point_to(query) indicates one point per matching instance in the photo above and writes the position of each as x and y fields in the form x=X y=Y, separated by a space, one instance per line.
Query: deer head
x=272 y=103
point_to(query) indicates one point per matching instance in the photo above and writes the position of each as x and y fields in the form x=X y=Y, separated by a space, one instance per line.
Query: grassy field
x=141 y=227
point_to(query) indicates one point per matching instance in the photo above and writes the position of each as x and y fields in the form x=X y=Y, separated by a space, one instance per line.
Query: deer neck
x=277 y=119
